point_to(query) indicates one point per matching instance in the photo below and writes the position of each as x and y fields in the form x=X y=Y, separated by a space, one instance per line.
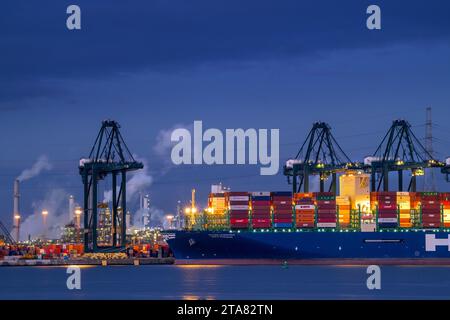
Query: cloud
x=163 y=36
x=40 y=165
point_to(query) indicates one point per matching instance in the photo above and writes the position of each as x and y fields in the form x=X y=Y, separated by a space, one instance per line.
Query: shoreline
x=86 y=262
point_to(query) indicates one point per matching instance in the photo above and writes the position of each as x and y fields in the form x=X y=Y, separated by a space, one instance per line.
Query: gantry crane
x=446 y=169
x=6 y=235
x=320 y=154
x=398 y=151
x=109 y=155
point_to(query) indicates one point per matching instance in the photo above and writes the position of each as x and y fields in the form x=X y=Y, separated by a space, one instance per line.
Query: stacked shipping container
x=387 y=208
x=343 y=204
x=282 y=209
x=431 y=210
x=305 y=210
x=216 y=216
x=238 y=204
x=445 y=202
x=326 y=209
x=261 y=211
x=404 y=206
x=320 y=209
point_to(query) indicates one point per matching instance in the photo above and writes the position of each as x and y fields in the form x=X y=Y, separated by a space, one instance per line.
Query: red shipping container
x=237 y=193
x=282 y=211
x=431 y=219
x=239 y=211
x=430 y=225
x=260 y=210
x=282 y=207
x=282 y=216
x=387 y=207
x=236 y=221
x=261 y=214
x=281 y=220
x=261 y=203
x=326 y=210
x=325 y=220
x=261 y=226
x=387 y=215
x=238 y=203
x=239 y=215
x=327 y=214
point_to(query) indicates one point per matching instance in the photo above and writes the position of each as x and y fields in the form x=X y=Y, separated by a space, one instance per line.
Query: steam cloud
x=139 y=180
x=55 y=202
x=156 y=217
x=41 y=164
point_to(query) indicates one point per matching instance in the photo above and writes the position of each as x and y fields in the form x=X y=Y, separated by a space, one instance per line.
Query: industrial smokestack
x=16 y=213
x=71 y=208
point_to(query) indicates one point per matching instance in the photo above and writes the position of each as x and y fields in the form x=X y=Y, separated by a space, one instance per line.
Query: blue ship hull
x=309 y=245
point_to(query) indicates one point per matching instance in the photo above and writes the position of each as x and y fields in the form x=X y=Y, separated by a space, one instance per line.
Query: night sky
x=154 y=65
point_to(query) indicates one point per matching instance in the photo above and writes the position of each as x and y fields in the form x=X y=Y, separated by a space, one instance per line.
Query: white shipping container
x=239 y=207
x=304 y=207
x=238 y=198
x=261 y=194
x=326 y=225
x=387 y=220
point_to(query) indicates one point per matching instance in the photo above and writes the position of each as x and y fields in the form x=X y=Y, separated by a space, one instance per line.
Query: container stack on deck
x=305 y=210
x=261 y=213
x=445 y=202
x=404 y=206
x=326 y=210
x=431 y=210
x=387 y=209
x=238 y=203
x=282 y=209
x=216 y=217
x=343 y=204
x=415 y=209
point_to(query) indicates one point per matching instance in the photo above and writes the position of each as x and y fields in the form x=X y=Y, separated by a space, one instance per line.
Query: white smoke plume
x=55 y=202
x=41 y=164
x=139 y=180
x=156 y=217
x=163 y=145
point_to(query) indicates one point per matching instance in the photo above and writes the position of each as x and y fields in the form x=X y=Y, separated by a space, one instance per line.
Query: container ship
x=355 y=220
x=357 y=224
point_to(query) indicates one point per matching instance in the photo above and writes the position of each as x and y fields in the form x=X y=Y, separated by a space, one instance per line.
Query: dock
x=86 y=262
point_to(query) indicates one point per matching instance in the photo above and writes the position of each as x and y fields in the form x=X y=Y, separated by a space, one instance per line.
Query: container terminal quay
x=355 y=216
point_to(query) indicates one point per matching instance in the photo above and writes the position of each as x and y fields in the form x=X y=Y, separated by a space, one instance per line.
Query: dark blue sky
x=261 y=64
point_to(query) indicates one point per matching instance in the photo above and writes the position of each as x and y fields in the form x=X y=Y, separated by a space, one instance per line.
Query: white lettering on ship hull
x=431 y=242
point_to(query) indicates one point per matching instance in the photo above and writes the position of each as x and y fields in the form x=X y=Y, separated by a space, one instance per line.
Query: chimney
x=71 y=209
x=16 y=213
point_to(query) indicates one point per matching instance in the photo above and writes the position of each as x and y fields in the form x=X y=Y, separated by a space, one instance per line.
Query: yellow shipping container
x=362 y=202
x=447 y=216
